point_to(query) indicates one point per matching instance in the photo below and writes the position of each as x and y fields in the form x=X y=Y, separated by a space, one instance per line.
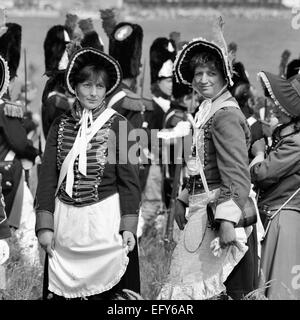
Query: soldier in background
x=125 y=45
x=178 y=113
x=240 y=75
x=17 y=152
x=55 y=99
x=162 y=55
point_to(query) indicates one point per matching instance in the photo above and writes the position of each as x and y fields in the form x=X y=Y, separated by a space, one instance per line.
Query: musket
x=25 y=88
x=142 y=84
x=25 y=76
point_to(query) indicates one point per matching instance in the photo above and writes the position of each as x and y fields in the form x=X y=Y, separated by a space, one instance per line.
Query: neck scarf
x=80 y=145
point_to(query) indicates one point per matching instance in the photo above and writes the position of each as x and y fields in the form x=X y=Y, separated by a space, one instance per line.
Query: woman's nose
x=203 y=78
x=93 y=90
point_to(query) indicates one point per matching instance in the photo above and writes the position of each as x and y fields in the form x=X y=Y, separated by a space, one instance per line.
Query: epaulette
x=13 y=110
x=61 y=101
x=148 y=104
x=132 y=101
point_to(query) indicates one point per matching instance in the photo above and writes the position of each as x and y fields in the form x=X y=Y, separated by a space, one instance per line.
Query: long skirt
x=280 y=265
x=195 y=271
x=88 y=257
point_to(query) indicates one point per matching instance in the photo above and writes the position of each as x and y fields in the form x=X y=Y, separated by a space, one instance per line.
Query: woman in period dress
x=276 y=173
x=206 y=261
x=88 y=193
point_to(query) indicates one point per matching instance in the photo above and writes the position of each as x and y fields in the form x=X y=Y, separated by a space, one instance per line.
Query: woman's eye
x=99 y=85
x=86 y=85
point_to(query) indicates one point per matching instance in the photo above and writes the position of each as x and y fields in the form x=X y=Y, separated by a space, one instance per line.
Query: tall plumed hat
x=55 y=52
x=162 y=55
x=293 y=68
x=218 y=47
x=4 y=76
x=71 y=24
x=285 y=93
x=180 y=90
x=86 y=25
x=90 y=36
x=10 y=47
x=109 y=20
x=91 y=56
x=125 y=45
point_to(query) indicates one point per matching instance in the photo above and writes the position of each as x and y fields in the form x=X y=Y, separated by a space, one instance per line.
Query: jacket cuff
x=259 y=158
x=229 y=211
x=44 y=220
x=129 y=222
x=184 y=197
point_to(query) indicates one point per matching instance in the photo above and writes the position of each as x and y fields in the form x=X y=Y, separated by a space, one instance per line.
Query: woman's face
x=91 y=92
x=208 y=80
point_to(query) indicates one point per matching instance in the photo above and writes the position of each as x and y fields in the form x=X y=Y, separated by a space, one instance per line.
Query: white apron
x=88 y=256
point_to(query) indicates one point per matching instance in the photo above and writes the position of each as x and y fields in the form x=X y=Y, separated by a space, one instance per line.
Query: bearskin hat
x=10 y=47
x=71 y=23
x=125 y=45
x=54 y=48
x=162 y=52
x=92 y=40
x=90 y=36
x=180 y=90
x=293 y=68
x=109 y=20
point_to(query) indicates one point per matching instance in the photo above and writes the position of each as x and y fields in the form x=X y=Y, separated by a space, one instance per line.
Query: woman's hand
x=45 y=238
x=258 y=146
x=128 y=240
x=180 y=214
x=226 y=233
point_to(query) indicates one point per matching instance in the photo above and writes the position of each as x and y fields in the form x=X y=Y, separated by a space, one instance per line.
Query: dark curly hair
x=206 y=58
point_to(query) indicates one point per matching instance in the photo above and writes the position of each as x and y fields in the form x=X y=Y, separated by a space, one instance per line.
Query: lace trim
x=85 y=293
x=205 y=289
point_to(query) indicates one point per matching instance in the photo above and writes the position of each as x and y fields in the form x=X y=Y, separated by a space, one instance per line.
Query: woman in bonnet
x=276 y=173
x=88 y=193
x=213 y=254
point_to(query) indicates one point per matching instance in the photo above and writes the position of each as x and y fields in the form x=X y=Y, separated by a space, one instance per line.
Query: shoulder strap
x=117 y=97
